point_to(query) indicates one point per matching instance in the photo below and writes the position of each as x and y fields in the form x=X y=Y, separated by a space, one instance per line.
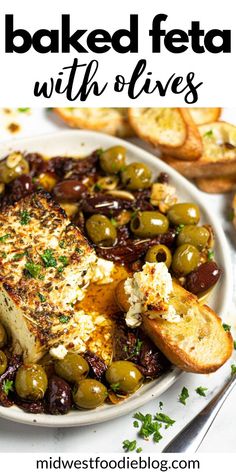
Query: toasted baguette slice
x=159 y=126
x=192 y=147
x=198 y=343
x=202 y=116
x=217 y=185
x=112 y=121
x=219 y=153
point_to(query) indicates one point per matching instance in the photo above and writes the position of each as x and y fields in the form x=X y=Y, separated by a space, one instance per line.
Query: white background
x=108 y=437
x=20 y=71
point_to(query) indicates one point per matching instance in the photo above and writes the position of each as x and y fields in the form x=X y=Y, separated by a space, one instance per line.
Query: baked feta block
x=45 y=266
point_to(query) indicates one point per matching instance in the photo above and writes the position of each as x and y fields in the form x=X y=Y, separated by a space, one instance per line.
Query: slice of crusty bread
x=172 y=130
x=192 y=147
x=112 y=121
x=201 y=116
x=159 y=126
x=219 y=153
x=198 y=343
x=217 y=184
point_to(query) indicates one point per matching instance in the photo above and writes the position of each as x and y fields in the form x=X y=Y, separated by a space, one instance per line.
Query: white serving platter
x=81 y=143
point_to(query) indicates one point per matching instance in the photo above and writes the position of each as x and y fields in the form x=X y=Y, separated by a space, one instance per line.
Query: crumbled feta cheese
x=102 y=270
x=58 y=352
x=148 y=292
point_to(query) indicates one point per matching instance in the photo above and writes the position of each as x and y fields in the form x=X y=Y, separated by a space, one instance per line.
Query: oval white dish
x=74 y=143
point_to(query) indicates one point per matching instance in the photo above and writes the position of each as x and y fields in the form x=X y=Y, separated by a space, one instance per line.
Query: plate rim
x=169 y=378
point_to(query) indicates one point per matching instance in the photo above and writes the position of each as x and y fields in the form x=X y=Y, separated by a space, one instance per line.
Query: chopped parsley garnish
x=33 y=270
x=4 y=255
x=164 y=419
x=183 y=396
x=160 y=405
x=179 y=228
x=129 y=446
x=80 y=251
x=23 y=110
x=42 y=298
x=233 y=369
x=48 y=258
x=97 y=187
x=201 y=391
x=139 y=449
x=64 y=260
x=209 y=134
x=226 y=327
x=18 y=256
x=235 y=345
x=64 y=319
x=4 y=238
x=24 y=217
x=62 y=244
x=115 y=387
x=135 y=424
x=113 y=222
x=210 y=255
x=7 y=386
x=137 y=348
x=148 y=427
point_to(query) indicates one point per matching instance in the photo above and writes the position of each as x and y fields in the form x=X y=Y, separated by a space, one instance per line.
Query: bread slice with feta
x=190 y=334
x=45 y=267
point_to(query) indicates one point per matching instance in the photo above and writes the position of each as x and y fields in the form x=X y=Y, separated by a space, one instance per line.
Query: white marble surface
x=108 y=437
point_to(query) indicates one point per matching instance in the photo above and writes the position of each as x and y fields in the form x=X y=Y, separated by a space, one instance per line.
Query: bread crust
x=202 y=116
x=112 y=121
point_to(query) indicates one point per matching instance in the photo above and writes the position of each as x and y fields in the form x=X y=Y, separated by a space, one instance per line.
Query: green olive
x=3 y=336
x=185 y=259
x=101 y=230
x=14 y=166
x=89 y=394
x=72 y=368
x=3 y=362
x=31 y=382
x=197 y=236
x=124 y=377
x=159 y=253
x=136 y=176
x=184 y=214
x=113 y=159
x=149 y=223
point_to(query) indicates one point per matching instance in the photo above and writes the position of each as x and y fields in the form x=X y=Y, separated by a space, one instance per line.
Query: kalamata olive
x=163 y=178
x=198 y=236
x=72 y=368
x=136 y=176
x=101 y=230
x=105 y=204
x=184 y=214
x=159 y=253
x=90 y=393
x=149 y=224
x=69 y=190
x=36 y=163
x=112 y=160
x=203 y=277
x=3 y=336
x=20 y=187
x=58 y=396
x=185 y=259
x=96 y=364
x=124 y=377
x=3 y=362
x=31 y=382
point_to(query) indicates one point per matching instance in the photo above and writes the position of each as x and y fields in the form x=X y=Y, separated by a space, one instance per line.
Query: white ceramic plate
x=82 y=143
